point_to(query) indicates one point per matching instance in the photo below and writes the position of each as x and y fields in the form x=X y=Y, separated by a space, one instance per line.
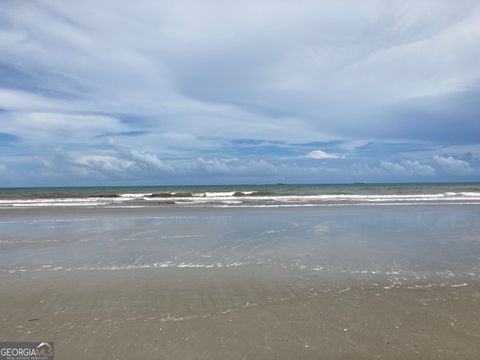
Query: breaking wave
x=269 y=197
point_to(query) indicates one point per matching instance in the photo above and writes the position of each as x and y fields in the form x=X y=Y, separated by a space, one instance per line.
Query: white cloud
x=417 y=168
x=107 y=165
x=216 y=68
x=453 y=165
x=21 y=101
x=142 y=159
x=407 y=168
x=48 y=127
x=393 y=167
x=319 y=154
x=235 y=167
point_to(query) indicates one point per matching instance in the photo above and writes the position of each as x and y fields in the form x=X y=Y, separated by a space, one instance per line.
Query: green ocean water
x=281 y=189
x=242 y=195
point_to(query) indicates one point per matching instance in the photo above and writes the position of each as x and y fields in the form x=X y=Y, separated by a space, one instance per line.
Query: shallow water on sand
x=396 y=282
x=414 y=242
x=240 y=313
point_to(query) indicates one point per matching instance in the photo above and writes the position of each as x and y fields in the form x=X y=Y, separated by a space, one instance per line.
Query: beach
x=239 y=314
x=241 y=180
x=337 y=282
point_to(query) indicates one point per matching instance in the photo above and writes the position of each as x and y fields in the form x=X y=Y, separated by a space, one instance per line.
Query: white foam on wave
x=250 y=199
x=157 y=265
x=70 y=203
x=466 y=193
x=219 y=194
x=45 y=201
x=56 y=202
x=134 y=195
x=222 y=196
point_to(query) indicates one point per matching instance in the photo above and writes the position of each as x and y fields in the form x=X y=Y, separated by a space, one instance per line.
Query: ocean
x=279 y=195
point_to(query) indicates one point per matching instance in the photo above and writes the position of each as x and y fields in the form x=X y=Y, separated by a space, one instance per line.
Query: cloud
x=417 y=168
x=319 y=154
x=230 y=66
x=407 y=168
x=102 y=164
x=389 y=88
x=15 y=100
x=236 y=167
x=48 y=127
x=453 y=165
x=393 y=167
x=141 y=158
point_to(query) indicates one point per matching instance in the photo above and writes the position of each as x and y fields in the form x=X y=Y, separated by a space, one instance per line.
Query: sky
x=147 y=92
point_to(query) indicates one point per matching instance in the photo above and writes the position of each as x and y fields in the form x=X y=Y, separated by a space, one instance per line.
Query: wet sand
x=296 y=284
x=239 y=314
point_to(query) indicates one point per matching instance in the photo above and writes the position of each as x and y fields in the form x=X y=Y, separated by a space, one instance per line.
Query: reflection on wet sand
x=243 y=283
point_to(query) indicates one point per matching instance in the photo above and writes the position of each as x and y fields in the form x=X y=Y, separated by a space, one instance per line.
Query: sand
x=238 y=314
x=339 y=283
